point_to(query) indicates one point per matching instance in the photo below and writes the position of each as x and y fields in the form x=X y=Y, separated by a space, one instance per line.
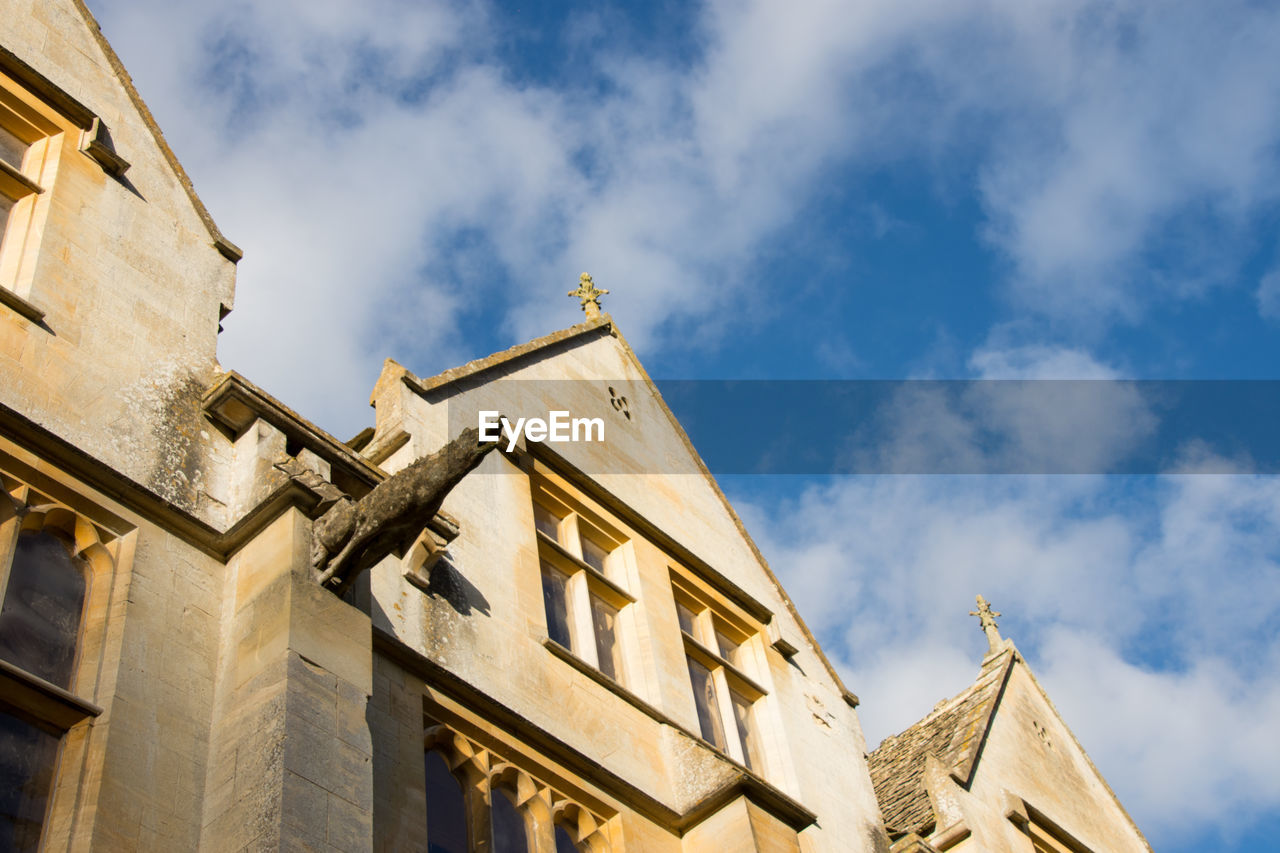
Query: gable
x=646 y=464
x=112 y=276
x=998 y=763
x=1034 y=763
x=685 y=588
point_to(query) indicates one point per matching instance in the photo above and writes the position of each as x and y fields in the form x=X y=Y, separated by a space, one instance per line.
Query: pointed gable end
x=996 y=763
x=590 y=358
x=113 y=277
x=619 y=566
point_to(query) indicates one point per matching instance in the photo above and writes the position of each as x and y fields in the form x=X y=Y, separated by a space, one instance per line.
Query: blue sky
x=910 y=189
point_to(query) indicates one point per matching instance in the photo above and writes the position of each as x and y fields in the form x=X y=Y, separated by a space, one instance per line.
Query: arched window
x=510 y=835
x=446 y=808
x=48 y=554
x=478 y=801
x=44 y=598
x=564 y=842
x=44 y=594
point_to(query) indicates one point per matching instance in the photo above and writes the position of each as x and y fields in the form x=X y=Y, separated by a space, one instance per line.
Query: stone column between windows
x=290 y=764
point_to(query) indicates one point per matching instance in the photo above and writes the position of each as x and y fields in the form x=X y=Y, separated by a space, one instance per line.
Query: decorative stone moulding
x=96 y=142
x=38 y=512
x=427 y=550
x=481 y=771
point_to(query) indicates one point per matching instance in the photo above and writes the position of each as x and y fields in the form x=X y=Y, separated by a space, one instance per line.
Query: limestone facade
x=582 y=649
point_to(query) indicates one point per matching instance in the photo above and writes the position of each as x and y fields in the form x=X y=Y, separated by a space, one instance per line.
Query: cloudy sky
x=916 y=188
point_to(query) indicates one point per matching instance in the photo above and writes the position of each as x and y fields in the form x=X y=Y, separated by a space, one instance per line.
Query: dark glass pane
x=546 y=521
x=508 y=825
x=11 y=149
x=40 y=620
x=27 y=756
x=686 y=617
x=446 y=809
x=704 y=695
x=744 y=715
x=594 y=555
x=564 y=844
x=604 y=621
x=556 y=602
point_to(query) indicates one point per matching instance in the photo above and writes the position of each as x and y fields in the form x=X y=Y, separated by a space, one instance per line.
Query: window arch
x=577 y=829
x=564 y=842
x=476 y=799
x=509 y=827
x=44 y=596
x=446 y=807
x=49 y=556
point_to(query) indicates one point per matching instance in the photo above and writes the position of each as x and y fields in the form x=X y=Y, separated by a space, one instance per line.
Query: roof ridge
x=501 y=357
x=944 y=705
x=973 y=751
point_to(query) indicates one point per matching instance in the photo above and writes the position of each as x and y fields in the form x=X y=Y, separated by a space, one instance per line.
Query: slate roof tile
x=953 y=731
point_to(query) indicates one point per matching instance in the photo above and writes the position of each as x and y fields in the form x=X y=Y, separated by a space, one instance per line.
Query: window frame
x=586 y=584
x=54 y=126
x=66 y=712
x=26 y=185
x=1045 y=834
x=712 y=619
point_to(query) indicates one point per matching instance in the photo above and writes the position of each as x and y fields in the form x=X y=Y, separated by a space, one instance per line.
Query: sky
x=942 y=189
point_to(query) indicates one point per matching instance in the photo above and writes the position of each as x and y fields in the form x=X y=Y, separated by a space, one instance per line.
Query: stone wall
x=124 y=269
x=484 y=620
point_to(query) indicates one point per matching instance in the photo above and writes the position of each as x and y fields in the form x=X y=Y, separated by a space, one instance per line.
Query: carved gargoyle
x=354 y=535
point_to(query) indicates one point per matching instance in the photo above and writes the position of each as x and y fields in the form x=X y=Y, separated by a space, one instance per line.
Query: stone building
x=224 y=629
x=996 y=768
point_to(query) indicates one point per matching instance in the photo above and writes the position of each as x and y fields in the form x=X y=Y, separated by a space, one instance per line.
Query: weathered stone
x=354 y=535
x=224 y=700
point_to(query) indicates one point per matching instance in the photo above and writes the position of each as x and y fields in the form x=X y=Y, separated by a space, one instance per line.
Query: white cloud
x=1031 y=409
x=1141 y=112
x=389 y=159
x=1269 y=295
x=1147 y=607
x=1038 y=362
x=1149 y=727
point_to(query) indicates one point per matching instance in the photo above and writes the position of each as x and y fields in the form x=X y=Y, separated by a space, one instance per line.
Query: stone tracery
x=544 y=808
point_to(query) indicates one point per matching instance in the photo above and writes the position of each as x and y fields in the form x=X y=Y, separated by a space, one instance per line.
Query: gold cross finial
x=588 y=296
x=987 y=619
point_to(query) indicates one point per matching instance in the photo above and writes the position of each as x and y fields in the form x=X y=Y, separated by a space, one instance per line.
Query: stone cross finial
x=588 y=296
x=987 y=618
